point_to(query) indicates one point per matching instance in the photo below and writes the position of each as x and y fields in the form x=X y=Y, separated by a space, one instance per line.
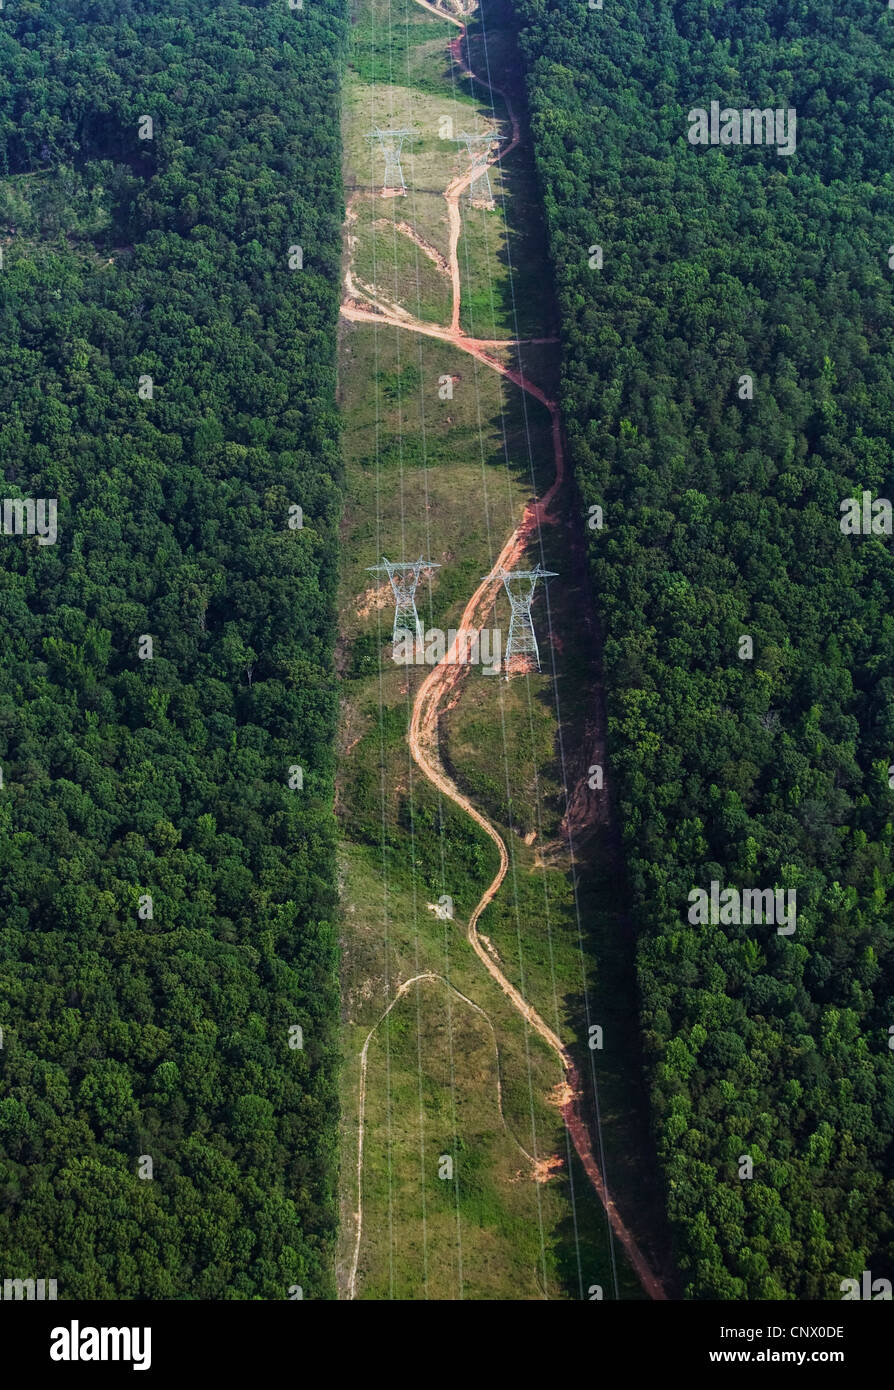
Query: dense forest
x=167 y=889
x=722 y=495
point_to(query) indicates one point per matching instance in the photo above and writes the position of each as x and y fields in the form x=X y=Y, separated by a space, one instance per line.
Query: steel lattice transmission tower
x=480 y=186
x=391 y=143
x=520 y=586
x=404 y=576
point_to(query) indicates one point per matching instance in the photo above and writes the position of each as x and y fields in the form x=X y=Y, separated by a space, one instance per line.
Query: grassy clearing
x=487 y=1231
x=429 y=476
x=396 y=41
x=385 y=257
x=429 y=160
x=404 y=848
x=448 y=479
x=431 y=1088
x=402 y=78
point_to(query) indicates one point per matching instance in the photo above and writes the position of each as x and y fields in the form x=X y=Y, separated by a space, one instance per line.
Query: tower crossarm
x=404 y=577
x=522 y=640
x=488 y=139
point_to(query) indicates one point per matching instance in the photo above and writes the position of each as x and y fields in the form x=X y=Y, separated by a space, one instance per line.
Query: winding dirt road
x=441 y=681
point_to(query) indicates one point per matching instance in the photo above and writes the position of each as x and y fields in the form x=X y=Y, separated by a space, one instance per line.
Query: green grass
x=396 y=41
x=488 y=1232
x=429 y=476
x=385 y=258
x=449 y=479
